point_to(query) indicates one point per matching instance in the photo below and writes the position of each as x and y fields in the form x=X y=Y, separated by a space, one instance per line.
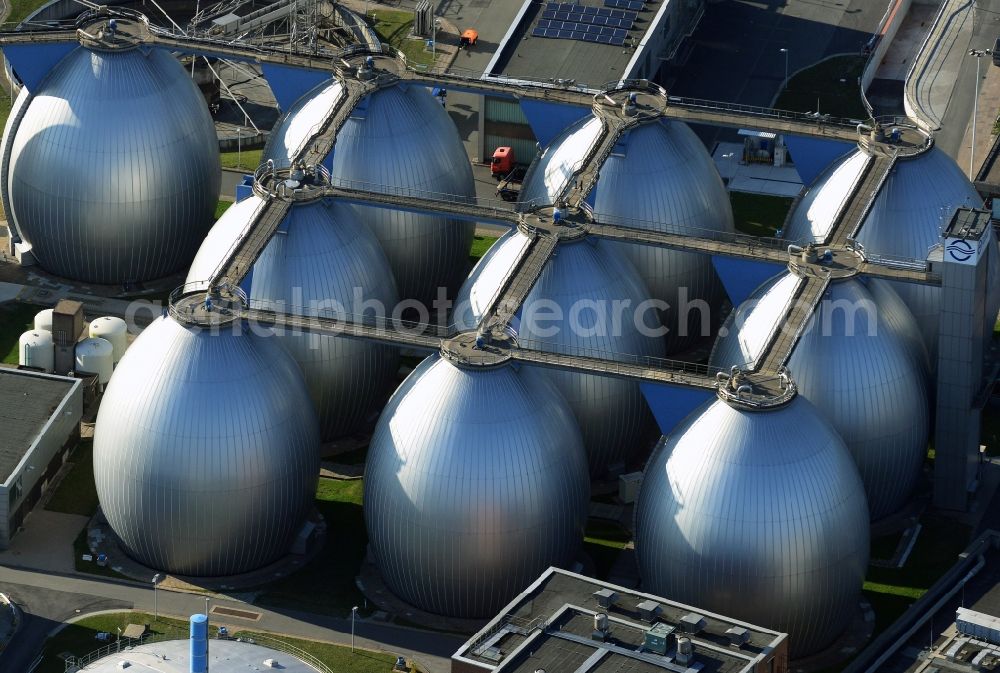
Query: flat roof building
x=41 y=424
x=568 y=623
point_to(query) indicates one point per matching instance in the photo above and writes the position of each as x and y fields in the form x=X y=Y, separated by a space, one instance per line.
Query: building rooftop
x=28 y=400
x=524 y=55
x=173 y=656
x=551 y=627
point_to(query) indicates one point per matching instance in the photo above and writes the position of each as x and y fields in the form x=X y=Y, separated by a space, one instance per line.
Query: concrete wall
x=671 y=23
x=33 y=469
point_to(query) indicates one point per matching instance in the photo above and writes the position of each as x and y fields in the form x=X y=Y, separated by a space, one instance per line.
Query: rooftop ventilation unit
x=601 y=628
x=606 y=598
x=738 y=636
x=648 y=610
x=692 y=623
x=685 y=652
x=657 y=638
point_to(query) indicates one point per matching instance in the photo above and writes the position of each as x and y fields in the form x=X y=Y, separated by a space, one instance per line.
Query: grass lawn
x=246 y=159
x=20 y=9
x=79 y=638
x=221 y=207
x=15 y=318
x=603 y=542
x=892 y=590
x=759 y=214
x=76 y=493
x=822 y=83
x=396 y=28
x=326 y=584
x=480 y=244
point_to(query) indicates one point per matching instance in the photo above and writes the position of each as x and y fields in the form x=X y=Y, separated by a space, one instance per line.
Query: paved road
x=985 y=30
x=50 y=599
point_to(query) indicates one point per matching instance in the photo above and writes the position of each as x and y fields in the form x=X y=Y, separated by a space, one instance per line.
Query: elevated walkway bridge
x=621 y=106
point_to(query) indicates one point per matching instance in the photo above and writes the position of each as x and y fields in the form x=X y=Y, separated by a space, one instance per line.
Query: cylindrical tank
x=661 y=178
x=325 y=262
x=585 y=301
x=95 y=356
x=114 y=331
x=467 y=500
x=43 y=320
x=199 y=644
x=205 y=450
x=399 y=139
x=906 y=219
x=113 y=173
x=758 y=515
x=35 y=349
x=854 y=363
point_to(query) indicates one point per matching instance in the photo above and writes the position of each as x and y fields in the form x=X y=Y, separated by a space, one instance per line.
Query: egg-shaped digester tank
x=916 y=202
x=854 y=363
x=206 y=450
x=322 y=262
x=113 y=174
x=758 y=515
x=476 y=482
x=659 y=177
x=399 y=138
x=588 y=299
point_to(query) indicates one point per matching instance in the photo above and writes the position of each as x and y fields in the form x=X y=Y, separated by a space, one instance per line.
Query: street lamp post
x=354 y=612
x=239 y=146
x=156 y=613
x=207 y=628
x=784 y=50
x=978 y=53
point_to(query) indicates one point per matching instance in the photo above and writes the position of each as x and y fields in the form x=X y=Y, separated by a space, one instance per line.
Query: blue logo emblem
x=960 y=251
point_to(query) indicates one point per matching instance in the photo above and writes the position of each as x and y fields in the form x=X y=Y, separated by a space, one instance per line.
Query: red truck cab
x=503 y=162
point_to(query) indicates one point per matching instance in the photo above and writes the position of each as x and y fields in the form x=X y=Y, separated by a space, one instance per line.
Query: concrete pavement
x=53 y=598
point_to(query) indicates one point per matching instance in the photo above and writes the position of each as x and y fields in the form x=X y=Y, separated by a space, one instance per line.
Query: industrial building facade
x=41 y=426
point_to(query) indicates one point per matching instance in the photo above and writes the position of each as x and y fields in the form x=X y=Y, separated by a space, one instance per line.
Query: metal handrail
x=497 y=207
x=630 y=223
x=772 y=113
x=382 y=323
x=651 y=361
x=283 y=646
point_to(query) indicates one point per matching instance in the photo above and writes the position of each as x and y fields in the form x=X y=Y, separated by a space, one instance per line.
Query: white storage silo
x=114 y=331
x=35 y=349
x=43 y=320
x=95 y=356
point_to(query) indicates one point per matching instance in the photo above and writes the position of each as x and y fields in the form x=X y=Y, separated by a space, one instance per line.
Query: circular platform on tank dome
x=296 y=184
x=200 y=305
x=471 y=350
x=631 y=101
x=542 y=222
x=105 y=29
x=364 y=64
x=820 y=261
x=756 y=391
x=893 y=136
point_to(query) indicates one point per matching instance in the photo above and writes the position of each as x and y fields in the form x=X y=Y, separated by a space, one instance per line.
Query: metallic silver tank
x=399 y=138
x=658 y=177
x=323 y=261
x=855 y=364
x=114 y=169
x=206 y=450
x=918 y=199
x=580 y=285
x=759 y=515
x=476 y=481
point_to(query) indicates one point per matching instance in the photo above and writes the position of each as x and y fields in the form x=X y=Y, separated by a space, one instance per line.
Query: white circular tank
x=43 y=320
x=35 y=349
x=95 y=356
x=114 y=331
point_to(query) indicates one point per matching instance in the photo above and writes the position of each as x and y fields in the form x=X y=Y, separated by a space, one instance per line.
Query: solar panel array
x=633 y=5
x=591 y=24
